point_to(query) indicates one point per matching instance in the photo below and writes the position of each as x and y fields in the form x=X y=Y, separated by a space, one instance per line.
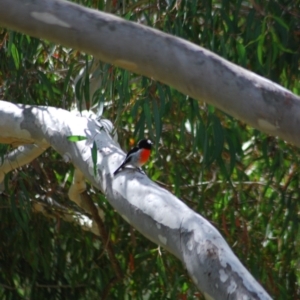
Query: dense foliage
x=244 y=182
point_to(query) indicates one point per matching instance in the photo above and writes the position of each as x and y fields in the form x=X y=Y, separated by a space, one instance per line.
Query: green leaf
x=276 y=41
x=162 y=99
x=86 y=86
x=261 y=41
x=157 y=122
x=78 y=92
x=46 y=83
x=125 y=84
x=15 y=55
x=183 y=135
x=281 y=22
x=140 y=125
x=260 y=49
x=17 y=212
x=67 y=78
x=218 y=133
x=241 y=53
x=76 y=138
x=94 y=157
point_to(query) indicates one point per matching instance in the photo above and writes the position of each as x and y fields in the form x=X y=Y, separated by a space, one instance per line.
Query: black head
x=145 y=144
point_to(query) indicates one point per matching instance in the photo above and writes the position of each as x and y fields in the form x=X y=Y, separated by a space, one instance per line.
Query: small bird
x=137 y=156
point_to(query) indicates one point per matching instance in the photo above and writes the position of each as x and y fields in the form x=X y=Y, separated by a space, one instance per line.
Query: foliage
x=246 y=183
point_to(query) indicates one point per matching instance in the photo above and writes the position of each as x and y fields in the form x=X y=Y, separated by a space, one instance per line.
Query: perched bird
x=137 y=156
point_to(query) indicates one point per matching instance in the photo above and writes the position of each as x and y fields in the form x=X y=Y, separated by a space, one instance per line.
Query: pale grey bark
x=155 y=212
x=176 y=62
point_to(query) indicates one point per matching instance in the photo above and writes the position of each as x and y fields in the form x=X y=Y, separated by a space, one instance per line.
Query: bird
x=138 y=155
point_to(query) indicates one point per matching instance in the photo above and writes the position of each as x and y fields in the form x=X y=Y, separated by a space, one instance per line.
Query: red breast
x=145 y=154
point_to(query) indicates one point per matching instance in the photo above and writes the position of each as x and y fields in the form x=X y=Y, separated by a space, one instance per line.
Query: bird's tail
x=115 y=172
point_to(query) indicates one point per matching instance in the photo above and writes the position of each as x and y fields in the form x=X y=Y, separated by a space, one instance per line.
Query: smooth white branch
x=19 y=157
x=187 y=67
x=77 y=187
x=152 y=210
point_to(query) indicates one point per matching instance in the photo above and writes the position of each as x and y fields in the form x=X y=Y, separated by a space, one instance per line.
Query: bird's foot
x=141 y=170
